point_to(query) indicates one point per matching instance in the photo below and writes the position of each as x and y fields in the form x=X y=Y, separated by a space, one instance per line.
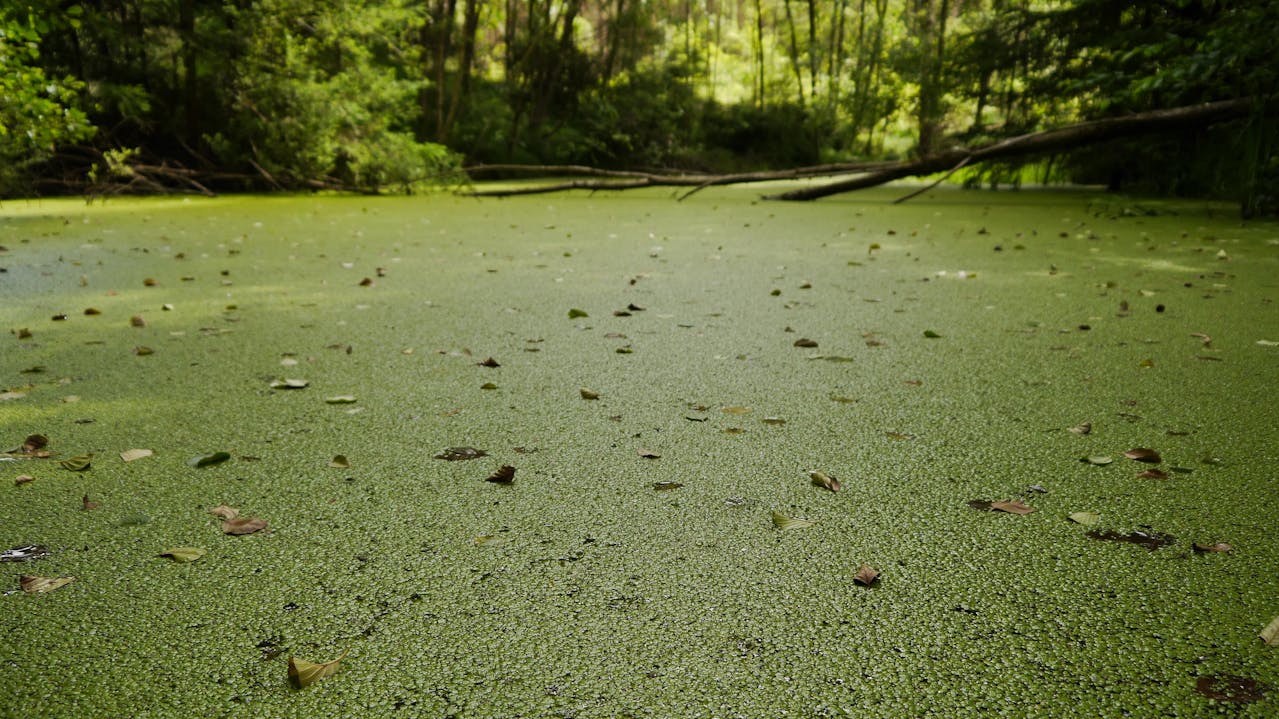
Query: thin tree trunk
x=794 y=52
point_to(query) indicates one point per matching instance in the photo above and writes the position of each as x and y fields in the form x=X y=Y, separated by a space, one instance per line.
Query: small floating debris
x=460 y=454
x=25 y=553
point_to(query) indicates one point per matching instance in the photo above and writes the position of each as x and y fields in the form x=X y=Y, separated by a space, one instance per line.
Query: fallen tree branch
x=1058 y=139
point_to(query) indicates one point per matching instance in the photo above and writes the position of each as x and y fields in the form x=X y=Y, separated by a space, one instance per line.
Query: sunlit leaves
x=38 y=585
x=303 y=673
x=132 y=455
x=184 y=554
x=823 y=480
x=784 y=523
x=208 y=460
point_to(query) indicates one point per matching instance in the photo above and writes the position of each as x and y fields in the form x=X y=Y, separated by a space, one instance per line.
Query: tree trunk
x=794 y=53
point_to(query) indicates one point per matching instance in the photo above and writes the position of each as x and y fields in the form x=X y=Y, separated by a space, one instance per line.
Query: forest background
x=252 y=95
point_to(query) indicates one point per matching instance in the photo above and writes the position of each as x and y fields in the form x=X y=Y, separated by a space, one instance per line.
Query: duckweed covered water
x=958 y=337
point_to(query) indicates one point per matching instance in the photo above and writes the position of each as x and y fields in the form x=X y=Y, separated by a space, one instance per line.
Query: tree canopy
x=396 y=94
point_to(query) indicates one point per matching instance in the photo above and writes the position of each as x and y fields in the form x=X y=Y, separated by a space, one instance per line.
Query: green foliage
x=37 y=112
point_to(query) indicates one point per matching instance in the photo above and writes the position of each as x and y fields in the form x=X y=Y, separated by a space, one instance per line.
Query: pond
x=644 y=402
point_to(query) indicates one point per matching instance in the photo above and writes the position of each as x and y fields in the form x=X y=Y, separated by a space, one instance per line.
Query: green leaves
x=78 y=463
x=184 y=554
x=1270 y=634
x=1087 y=519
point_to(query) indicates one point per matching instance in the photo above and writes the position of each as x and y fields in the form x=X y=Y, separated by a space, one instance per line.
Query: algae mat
x=933 y=357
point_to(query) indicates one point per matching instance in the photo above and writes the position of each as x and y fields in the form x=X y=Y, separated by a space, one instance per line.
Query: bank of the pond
x=954 y=341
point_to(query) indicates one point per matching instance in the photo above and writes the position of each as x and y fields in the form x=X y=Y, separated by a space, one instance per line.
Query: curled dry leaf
x=825 y=481
x=784 y=522
x=131 y=455
x=1142 y=454
x=243 y=525
x=1081 y=428
x=303 y=673
x=22 y=479
x=489 y=362
x=37 y=585
x=1270 y=635
x=224 y=511
x=184 y=554
x=504 y=475
x=866 y=575
x=805 y=342
x=588 y=393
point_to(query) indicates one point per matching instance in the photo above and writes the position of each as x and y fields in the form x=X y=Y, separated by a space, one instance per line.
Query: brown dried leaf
x=805 y=342
x=504 y=475
x=866 y=575
x=489 y=362
x=38 y=585
x=1141 y=454
x=1012 y=507
x=23 y=479
x=137 y=321
x=243 y=525
x=224 y=511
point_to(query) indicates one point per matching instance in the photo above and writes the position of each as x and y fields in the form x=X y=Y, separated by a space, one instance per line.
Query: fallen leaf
x=504 y=475
x=931 y=335
x=783 y=522
x=1213 y=548
x=1012 y=507
x=366 y=282
x=866 y=575
x=143 y=351
x=1152 y=474
x=488 y=385
x=1270 y=635
x=137 y=321
x=224 y=511
x=91 y=311
x=823 y=480
x=243 y=525
x=208 y=460
x=648 y=454
x=1081 y=428
x=489 y=362
x=130 y=455
x=184 y=554
x=575 y=313
x=734 y=430
x=340 y=399
x=303 y=673
x=588 y=393
x=340 y=461
x=1098 y=461
x=773 y=420
x=23 y=479
x=87 y=506
x=1085 y=518
x=1141 y=454
x=289 y=384
x=805 y=342
x=666 y=486
x=79 y=463
x=34 y=442
x=38 y=585
x=461 y=454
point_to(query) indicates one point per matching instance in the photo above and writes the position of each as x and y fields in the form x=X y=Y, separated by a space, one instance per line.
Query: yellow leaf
x=783 y=522
x=184 y=554
x=304 y=673
x=130 y=455
x=37 y=585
